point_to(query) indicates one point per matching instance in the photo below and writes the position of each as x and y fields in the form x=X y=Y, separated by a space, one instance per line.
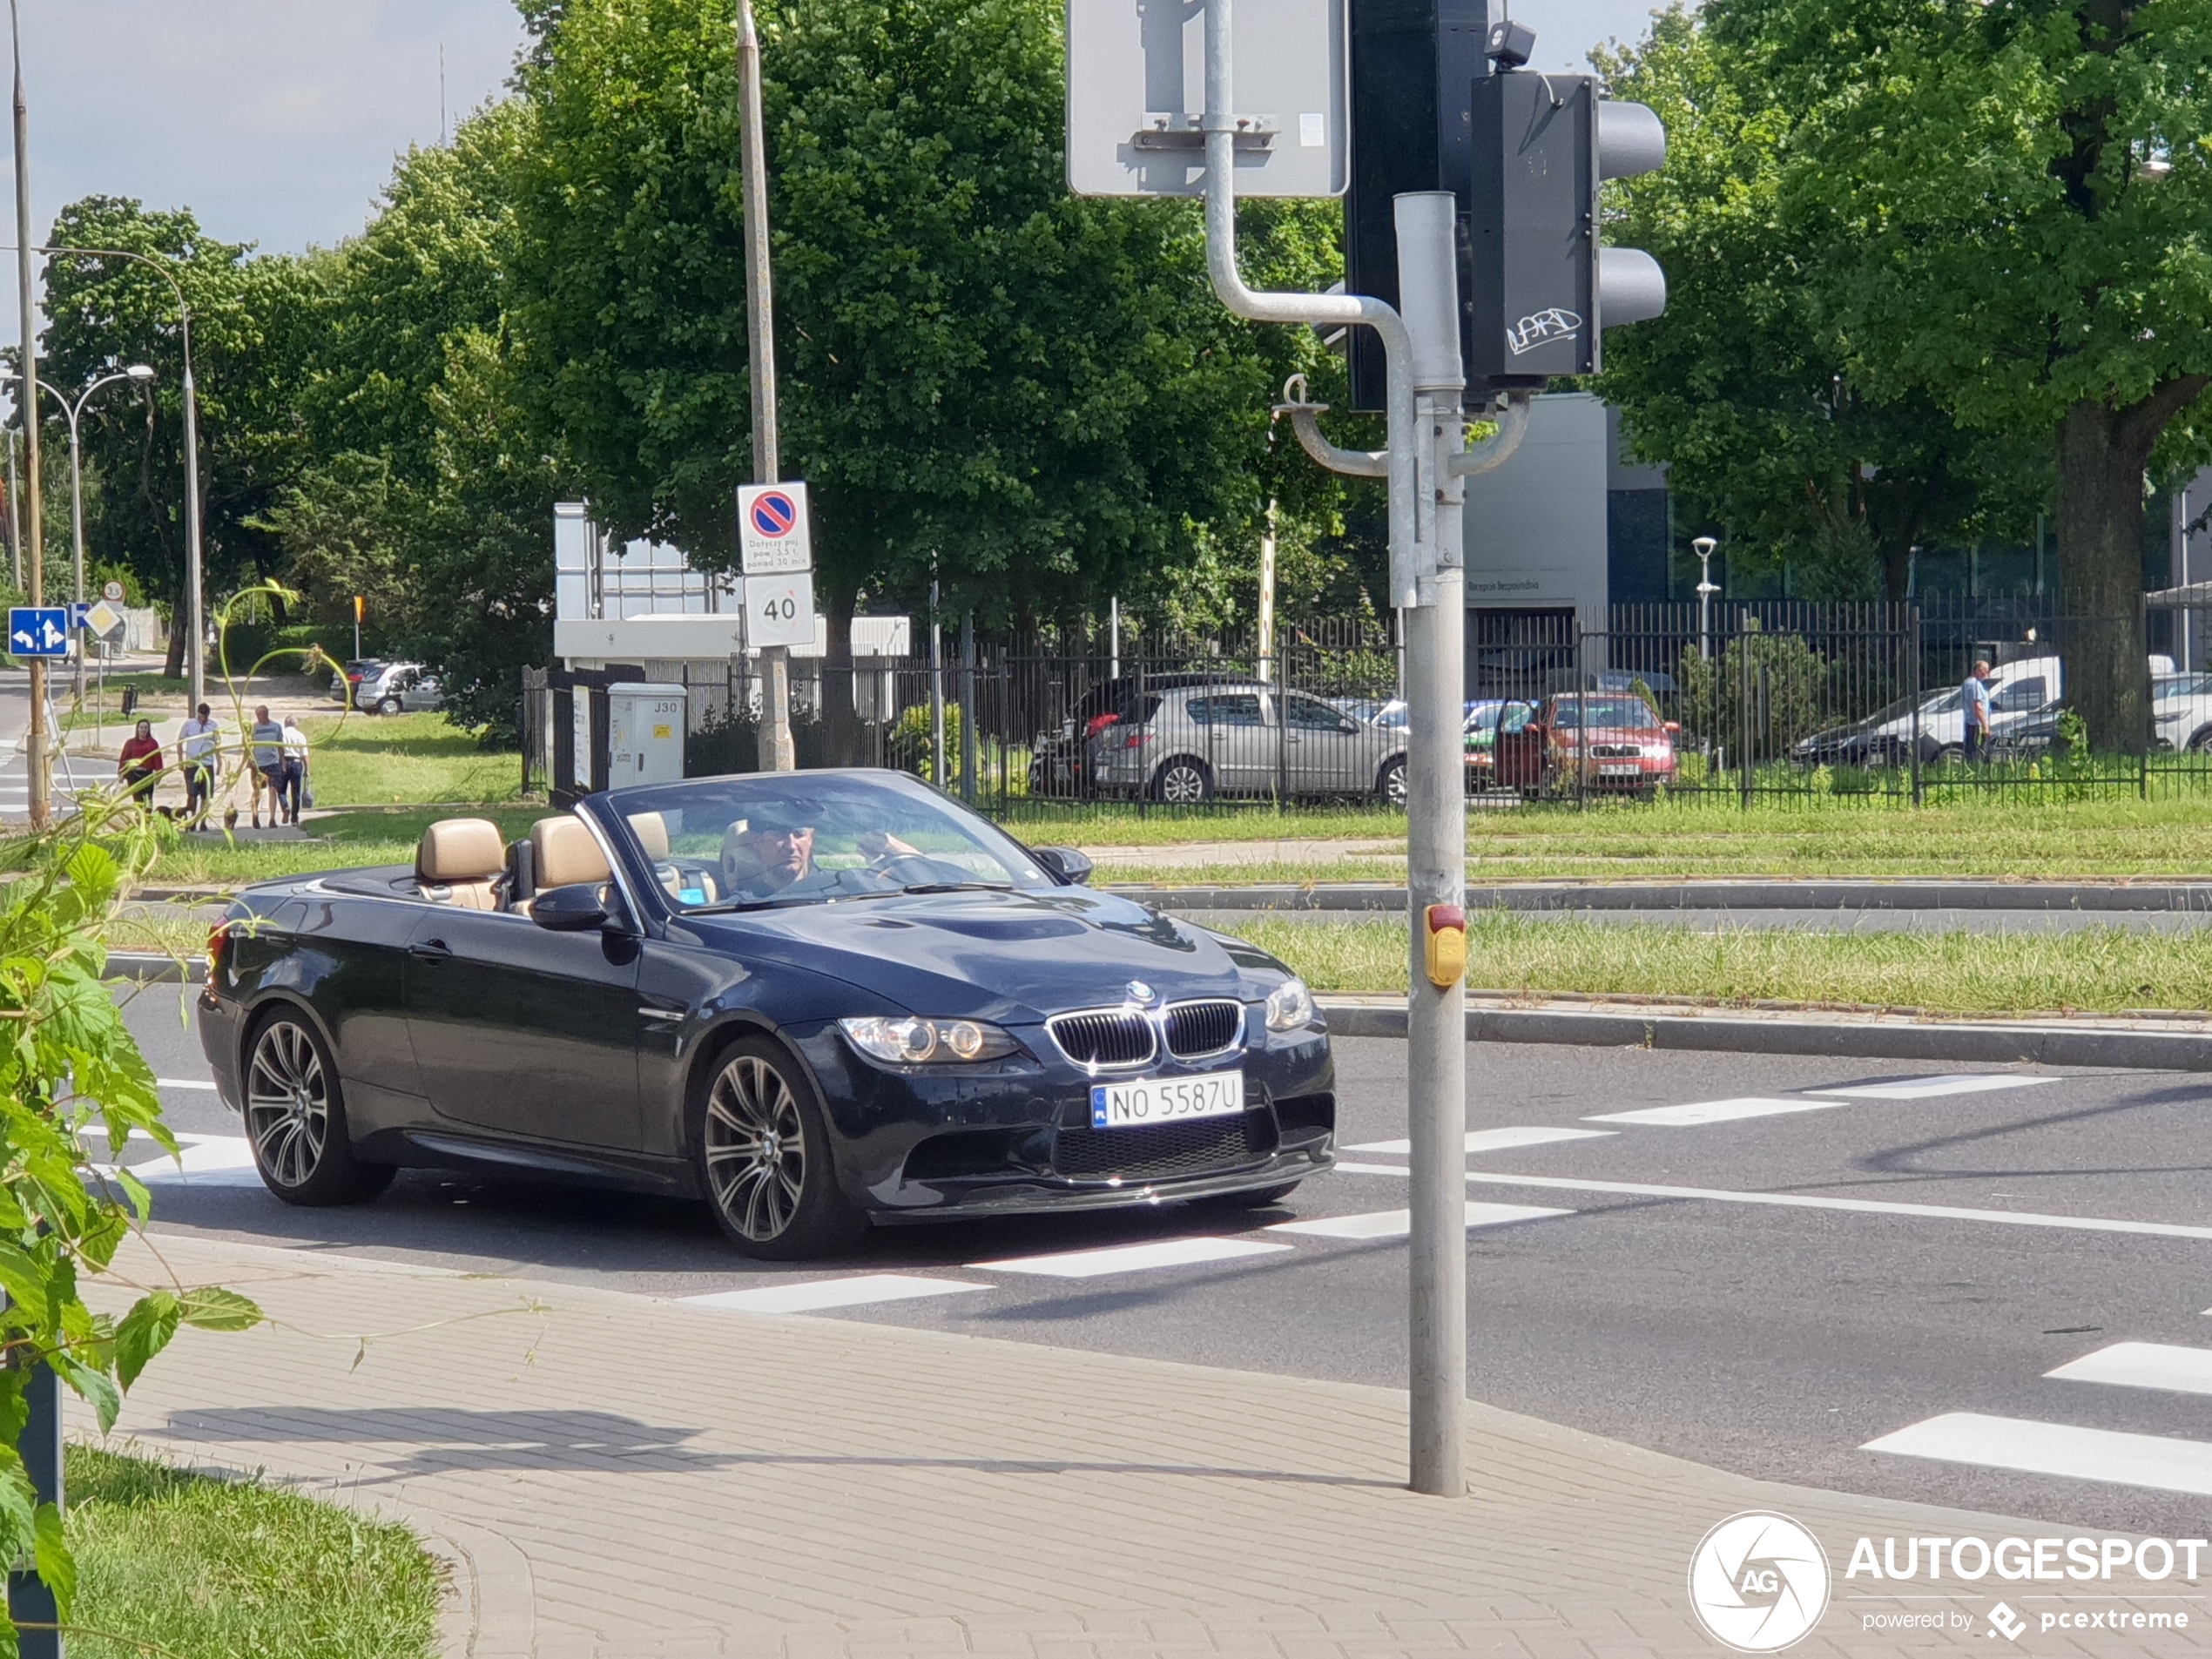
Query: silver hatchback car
x=1185 y=746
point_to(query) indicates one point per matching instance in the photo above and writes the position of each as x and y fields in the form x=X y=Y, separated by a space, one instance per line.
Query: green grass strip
x=237 y=1569
x=2090 y=970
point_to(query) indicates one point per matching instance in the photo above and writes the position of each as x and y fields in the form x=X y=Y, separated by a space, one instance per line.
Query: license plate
x=1621 y=770
x=1166 y=1100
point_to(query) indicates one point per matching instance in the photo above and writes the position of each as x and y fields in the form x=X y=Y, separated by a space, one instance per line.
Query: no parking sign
x=772 y=529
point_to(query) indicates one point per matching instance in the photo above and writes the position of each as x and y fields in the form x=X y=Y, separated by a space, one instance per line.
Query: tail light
x=219 y=941
x=1136 y=739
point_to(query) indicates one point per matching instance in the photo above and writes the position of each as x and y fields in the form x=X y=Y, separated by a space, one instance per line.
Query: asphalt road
x=1693 y=1314
x=1869 y=921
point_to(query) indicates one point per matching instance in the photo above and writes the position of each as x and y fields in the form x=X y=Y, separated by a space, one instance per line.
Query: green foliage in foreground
x=217 y=1569
x=2094 y=970
x=73 y=1087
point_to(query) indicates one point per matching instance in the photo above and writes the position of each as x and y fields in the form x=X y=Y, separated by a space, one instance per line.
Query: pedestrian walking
x=196 y=746
x=1974 y=699
x=140 y=766
x=295 y=767
x=268 y=765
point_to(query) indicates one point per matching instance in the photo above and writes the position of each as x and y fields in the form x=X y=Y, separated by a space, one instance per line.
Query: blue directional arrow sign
x=42 y=631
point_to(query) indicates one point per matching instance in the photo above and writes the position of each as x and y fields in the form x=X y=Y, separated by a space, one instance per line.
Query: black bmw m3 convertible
x=819 y=1001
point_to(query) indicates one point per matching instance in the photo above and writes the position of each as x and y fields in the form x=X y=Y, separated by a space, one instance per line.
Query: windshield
x=815 y=838
x=1630 y=712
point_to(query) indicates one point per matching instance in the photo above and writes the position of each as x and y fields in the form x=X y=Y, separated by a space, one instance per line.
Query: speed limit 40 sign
x=779 y=610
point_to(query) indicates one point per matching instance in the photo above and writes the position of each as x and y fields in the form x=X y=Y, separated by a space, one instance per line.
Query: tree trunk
x=2102 y=453
x=840 y=721
x=173 y=666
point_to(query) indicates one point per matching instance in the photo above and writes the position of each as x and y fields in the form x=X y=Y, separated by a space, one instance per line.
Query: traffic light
x=1541 y=289
x=1412 y=63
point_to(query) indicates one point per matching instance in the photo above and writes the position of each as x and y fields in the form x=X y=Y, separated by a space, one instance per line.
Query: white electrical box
x=644 y=734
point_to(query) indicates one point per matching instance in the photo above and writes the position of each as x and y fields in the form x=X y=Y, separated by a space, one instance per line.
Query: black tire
x=388 y=705
x=295 y=1118
x=1390 y=783
x=1950 y=754
x=1183 y=781
x=2199 y=742
x=761 y=1145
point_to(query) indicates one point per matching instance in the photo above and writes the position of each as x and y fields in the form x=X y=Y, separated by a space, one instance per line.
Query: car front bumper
x=1014 y=1136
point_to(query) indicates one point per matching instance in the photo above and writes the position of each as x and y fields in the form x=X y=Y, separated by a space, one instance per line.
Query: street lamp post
x=137 y=374
x=196 y=659
x=1705 y=546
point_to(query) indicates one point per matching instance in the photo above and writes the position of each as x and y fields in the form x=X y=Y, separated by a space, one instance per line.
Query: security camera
x=1511 y=44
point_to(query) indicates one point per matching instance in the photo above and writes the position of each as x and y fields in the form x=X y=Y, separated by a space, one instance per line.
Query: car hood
x=1012 y=957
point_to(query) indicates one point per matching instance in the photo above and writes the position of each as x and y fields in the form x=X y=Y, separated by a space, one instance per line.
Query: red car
x=1611 y=742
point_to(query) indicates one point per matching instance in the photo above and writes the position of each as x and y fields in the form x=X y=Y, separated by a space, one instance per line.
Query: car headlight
x=1290 y=1005
x=908 y=1041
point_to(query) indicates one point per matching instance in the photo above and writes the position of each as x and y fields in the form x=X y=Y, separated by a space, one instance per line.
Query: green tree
x=252 y=324
x=1747 y=388
x=2025 y=185
x=1031 y=395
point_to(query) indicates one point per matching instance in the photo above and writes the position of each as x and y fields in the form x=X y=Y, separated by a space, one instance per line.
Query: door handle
x=431 y=950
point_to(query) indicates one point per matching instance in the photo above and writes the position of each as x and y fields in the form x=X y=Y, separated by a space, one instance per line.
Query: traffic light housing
x=1412 y=63
x=1541 y=289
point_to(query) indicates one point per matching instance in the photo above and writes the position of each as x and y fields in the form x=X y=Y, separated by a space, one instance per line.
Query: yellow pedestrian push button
x=1445 y=944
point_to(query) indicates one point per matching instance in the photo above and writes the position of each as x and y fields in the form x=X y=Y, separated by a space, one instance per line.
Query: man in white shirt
x=292 y=780
x=196 y=746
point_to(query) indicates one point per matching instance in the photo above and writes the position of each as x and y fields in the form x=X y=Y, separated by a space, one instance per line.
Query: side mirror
x=570 y=910
x=1069 y=866
x=1673 y=727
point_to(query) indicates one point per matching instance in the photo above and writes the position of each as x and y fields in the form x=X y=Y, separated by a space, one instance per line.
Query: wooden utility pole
x=35 y=751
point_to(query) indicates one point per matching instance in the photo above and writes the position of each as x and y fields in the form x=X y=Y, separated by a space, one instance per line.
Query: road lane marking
x=183 y=1082
x=206 y=1161
x=1397 y=1224
x=858 y=1290
x=2031 y=1447
x=2143 y=1365
x=1128 y=1258
x=1967 y=1083
x=1712 y=1111
x=1494 y=1140
x=1800 y=1201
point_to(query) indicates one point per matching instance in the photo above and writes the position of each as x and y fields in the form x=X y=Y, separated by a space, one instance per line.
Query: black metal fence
x=1768 y=701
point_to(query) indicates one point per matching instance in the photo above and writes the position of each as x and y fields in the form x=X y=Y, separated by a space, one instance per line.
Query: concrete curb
x=2190 y=896
x=1870 y=1036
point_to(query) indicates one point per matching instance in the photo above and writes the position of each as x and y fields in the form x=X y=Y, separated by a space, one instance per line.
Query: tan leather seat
x=565 y=853
x=461 y=861
x=652 y=831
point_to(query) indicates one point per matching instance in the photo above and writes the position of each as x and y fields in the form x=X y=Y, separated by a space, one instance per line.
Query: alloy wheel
x=1182 y=783
x=756 y=1148
x=287 y=1103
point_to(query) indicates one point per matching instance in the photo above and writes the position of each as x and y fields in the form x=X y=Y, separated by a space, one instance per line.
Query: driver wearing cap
x=779 y=837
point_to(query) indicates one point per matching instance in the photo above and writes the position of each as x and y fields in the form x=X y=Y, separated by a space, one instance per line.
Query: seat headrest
x=565 y=853
x=460 y=849
x=652 y=831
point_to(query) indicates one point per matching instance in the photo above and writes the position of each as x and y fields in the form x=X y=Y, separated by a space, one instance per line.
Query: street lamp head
x=1705 y=546
x=140 y=371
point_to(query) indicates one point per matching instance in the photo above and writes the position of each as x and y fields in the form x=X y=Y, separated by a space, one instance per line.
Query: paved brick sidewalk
x=614 y=1476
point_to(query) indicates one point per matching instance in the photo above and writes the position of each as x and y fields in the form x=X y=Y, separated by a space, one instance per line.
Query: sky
x=277 y=121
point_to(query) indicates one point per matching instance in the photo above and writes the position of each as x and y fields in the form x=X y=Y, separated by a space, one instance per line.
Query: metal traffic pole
x=38 y=764
x=1436 y=856
x=777 y=753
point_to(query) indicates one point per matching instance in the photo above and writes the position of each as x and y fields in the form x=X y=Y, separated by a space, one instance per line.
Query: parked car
x=2025 y=689
x=2182 y=711
x=1486 y=721
x=1600 y=742
x=759 y=992
x=344 y=682
x=396 y=688
x=1186 y=745
x=1058 y=762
